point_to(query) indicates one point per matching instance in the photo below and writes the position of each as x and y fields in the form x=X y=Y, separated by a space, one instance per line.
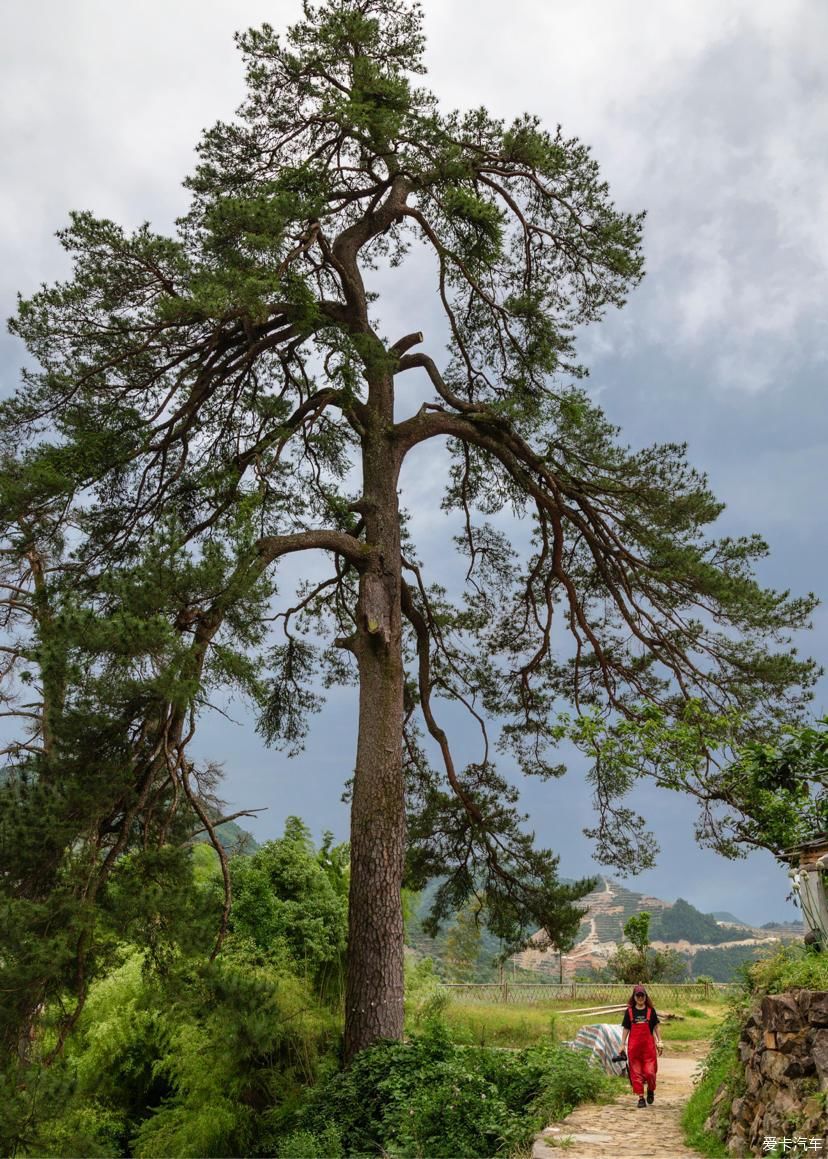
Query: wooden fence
x=597 y=993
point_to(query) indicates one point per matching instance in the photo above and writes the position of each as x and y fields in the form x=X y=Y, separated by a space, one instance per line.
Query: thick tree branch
x=272 y=547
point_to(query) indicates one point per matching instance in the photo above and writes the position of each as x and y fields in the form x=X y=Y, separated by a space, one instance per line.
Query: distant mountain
x=709 y=946
x=441 y=949
x=727 y=918
x=682 y=922
x=233 y=838
x=714 y=945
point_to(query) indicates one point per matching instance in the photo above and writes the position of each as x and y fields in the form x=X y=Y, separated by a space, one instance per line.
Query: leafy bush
x=425 y=999
x=567 y=1079
x=430 y=1097
x=244 y=1044
x=792 y=967
x=308 y=1145
x=291 y=902
x=203 y=1061
x=40 y=1117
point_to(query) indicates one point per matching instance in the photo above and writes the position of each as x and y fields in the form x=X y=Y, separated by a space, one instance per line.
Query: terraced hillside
x=710 y=946
x=612 y=904
x=609 y=908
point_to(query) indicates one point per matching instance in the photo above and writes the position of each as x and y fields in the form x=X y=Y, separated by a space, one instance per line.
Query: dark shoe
x=642 y=1102
x=650 y=1097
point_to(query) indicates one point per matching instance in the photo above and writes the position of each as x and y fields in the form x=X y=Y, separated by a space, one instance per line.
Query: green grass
x=517 y=1025
x=496 y=1024
x=696 y=1023
x=720 y=1066
x=793 y=967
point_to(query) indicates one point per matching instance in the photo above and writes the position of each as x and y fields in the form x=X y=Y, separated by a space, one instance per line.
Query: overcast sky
x=710 y=114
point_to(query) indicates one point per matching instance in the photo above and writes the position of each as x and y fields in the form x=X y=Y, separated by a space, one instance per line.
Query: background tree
x=461 y=948
x=241 y=366
x=640 y=962
x=97 y=795
x=637 y=930
x=562 y=934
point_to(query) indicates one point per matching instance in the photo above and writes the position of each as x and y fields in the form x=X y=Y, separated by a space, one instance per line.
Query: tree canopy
x=774 y=792
x=230 y=390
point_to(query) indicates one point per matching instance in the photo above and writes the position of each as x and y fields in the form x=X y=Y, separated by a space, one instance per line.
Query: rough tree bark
x=374 y=990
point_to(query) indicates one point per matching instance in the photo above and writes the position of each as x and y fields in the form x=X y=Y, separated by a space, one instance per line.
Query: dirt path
x=620 y=1130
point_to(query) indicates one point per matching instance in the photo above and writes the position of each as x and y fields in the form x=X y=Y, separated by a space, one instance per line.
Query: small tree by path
x=642 y=963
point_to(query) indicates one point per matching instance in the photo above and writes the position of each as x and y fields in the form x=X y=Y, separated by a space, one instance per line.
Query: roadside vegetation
x=175 y=1055
x=430 y=1097
x=791 y=967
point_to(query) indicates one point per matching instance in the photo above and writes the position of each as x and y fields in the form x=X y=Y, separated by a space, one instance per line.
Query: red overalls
x=641 y=1053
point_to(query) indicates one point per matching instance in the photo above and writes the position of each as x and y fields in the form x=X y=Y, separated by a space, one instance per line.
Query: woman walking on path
x=640 y=1023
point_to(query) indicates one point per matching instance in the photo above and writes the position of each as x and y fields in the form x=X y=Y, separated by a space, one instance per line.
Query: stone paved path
x=620 y=1130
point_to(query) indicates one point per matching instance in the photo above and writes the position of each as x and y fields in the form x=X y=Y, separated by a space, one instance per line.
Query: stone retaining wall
x=784 y=1050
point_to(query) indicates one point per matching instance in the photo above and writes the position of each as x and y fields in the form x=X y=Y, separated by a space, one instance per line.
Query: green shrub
x=209 y=1060
x=288 y=900
x=431 y=1097
x=307 y=1145
x=87 y=1131
x=246 y=1043
x=39 y=1116
x=567 y=1079
x=425 y=998
x=791 y=967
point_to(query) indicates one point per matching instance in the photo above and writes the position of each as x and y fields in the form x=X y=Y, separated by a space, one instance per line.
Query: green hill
x=722 y=962
x=233 y=838
x=683 y=922
x=460 y=951
x=728 y=918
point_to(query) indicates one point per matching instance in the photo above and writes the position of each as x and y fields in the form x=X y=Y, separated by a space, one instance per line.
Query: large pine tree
x=237 y=371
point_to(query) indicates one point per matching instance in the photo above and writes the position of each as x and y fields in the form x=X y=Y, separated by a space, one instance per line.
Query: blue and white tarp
x=602 y=1040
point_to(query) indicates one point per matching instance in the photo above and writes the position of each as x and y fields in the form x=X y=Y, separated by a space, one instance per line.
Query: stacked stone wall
x=784 y=1097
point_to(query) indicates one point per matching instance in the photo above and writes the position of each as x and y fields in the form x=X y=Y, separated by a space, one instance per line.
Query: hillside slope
x=683 y=928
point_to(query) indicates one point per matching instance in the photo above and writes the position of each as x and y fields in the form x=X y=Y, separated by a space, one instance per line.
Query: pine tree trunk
x=374 y=989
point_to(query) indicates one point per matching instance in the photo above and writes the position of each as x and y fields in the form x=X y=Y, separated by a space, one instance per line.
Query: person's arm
x=657 y=1033
x=625 y=1034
